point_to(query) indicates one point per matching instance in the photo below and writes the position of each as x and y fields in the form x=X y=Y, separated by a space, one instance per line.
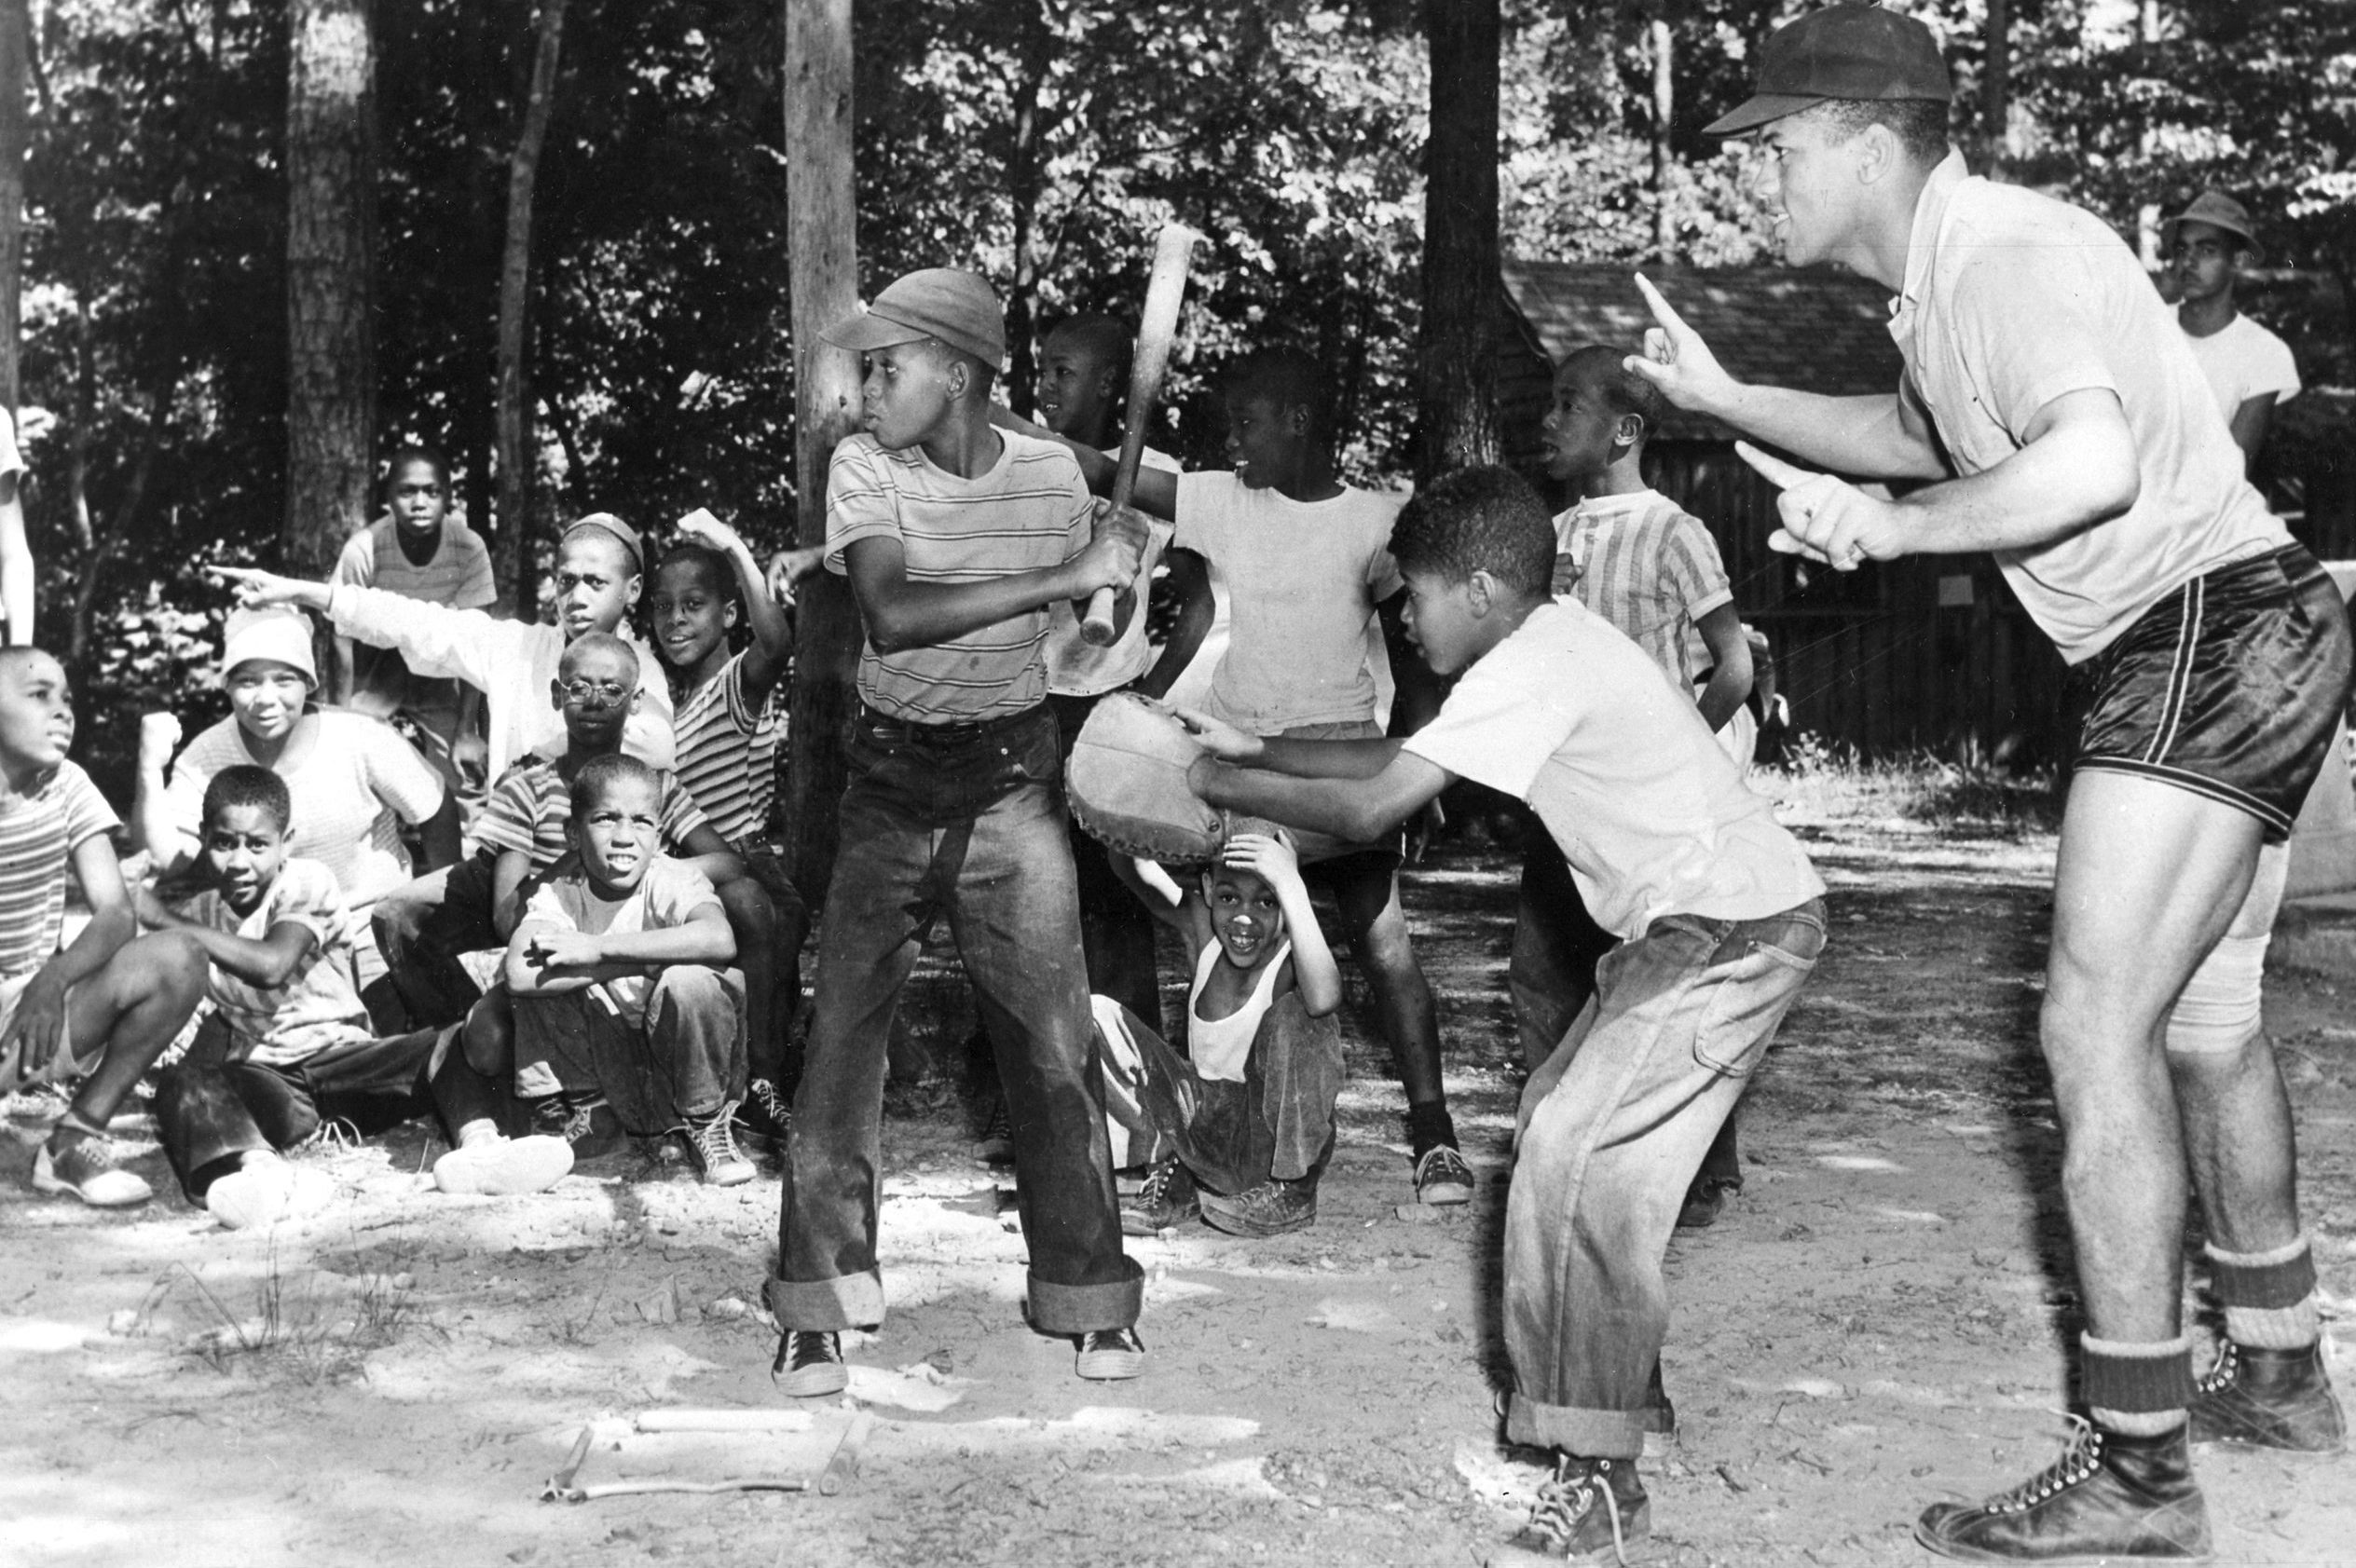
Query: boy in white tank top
x=1238 y=1129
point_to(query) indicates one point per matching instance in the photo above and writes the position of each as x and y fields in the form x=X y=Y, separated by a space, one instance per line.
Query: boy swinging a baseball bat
x=956 y=538
x=1720 y=917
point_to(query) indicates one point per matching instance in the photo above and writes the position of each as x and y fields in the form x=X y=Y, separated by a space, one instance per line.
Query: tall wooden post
x=517 y=459
x=822 y=273
x=330 y=258
x=1663 y=46
x=16 y=138
x=1995 y=86
x=1457 y=419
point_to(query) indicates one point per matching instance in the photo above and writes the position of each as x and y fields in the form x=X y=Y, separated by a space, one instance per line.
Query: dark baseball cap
x=1849 y=50
x=613 y=528
x=958 y=307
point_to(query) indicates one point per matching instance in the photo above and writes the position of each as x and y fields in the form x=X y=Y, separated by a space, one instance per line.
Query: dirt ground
x=1877 y=1323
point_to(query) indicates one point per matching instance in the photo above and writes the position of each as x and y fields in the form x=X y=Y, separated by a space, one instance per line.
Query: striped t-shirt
x=1029 y=513
x=36 y=839
x=531 y=802
x=1649 y=568
x=458 y=575
x=728 y=752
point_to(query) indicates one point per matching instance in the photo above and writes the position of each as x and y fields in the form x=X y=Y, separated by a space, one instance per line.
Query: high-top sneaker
x=2269 y=1399
x=1587 y=1513
x=2108 y=1497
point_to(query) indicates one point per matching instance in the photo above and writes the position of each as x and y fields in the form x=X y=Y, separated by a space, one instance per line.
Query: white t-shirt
x=2244 y=360
x=1077 y=667
x=11 y=460
x=669 y=894
x=314 y=1008
x=1570 y=715
x=1303 y=578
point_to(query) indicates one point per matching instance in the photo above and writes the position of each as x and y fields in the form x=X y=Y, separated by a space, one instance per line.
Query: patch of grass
x=303 y=1328
x=1968 y=796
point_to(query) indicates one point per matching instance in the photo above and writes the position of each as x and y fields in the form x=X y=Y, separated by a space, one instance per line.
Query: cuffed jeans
x=683 y=1063
x=1276 y=1123
x=1612 y=1130
x=968 y=822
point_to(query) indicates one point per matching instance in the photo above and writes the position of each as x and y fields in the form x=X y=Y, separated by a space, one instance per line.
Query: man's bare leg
x=1367 y=899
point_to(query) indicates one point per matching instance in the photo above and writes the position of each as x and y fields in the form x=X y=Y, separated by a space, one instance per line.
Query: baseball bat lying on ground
x=1156 y=329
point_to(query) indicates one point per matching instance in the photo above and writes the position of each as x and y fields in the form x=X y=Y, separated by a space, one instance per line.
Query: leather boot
x=2269 y=1399
x=2109 y=1497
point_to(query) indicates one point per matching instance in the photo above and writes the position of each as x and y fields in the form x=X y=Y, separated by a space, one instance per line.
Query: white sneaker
x=503 y=1167
x=88 y=1171
x=264 y=1190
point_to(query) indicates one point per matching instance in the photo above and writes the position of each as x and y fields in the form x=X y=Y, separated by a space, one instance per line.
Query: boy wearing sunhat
x=2214 y=655
x=956 y=538
x=2249 y=368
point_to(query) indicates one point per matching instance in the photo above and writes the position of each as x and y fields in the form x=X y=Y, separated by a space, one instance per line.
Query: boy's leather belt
x=890 y=726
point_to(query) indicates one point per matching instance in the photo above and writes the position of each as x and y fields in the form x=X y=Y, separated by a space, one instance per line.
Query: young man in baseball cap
x=2088 y=456
x=956 y=538
x=2249 y=368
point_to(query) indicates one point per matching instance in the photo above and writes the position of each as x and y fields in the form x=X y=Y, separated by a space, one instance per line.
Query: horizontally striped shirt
x=531 y=802
x=728 y=752
x=1649 y=568
x=36 y=839
x=1029 y=513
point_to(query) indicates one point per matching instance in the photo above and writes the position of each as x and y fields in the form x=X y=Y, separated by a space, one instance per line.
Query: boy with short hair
x=2249 y=368
x=955 y=537
x=1643 y=563
x=622 y=978
x=425 y=926
x=1721 y=917
x=1303 y=555
x=1238 y=1129
x=104 y=1005
x=729 y=728
x=300 y=1052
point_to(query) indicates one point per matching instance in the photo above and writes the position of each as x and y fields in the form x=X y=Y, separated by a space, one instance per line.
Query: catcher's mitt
x=1127 y=781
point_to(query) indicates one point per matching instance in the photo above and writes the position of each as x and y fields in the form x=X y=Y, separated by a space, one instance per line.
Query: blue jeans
x=1612 y=1129
x=966 y=820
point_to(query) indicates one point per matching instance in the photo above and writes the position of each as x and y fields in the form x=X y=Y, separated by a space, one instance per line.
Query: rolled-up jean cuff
x=1589 y=1434
x=850 y=1301
x=1084 y=1309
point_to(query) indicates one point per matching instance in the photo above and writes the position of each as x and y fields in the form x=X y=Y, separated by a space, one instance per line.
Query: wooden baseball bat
x=1173 y=253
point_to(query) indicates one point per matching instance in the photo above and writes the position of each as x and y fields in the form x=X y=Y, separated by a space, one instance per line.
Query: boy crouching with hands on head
x=620 y=972
x=1720 y=918
x=300 y=1052
x=1238 y=1129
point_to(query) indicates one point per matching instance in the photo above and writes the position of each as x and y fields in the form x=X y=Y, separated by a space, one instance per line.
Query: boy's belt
x=890 y=726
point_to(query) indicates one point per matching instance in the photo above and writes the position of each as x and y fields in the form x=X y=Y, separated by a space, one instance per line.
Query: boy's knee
x=691 y=986
x=165 y=962
x=488 y=1038
x=747 y=905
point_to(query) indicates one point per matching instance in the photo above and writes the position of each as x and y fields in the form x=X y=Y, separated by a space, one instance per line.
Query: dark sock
x=1429 y=1126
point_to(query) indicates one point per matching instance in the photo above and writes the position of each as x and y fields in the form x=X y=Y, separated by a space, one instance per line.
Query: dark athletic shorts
x=2228 y=687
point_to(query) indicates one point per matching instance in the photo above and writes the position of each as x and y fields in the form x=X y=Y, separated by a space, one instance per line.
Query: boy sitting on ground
x=620 y=978
x=300 y=1052
x=729 y=726
x=1241 y=1125
x=105 y=1006
x=1720 y=918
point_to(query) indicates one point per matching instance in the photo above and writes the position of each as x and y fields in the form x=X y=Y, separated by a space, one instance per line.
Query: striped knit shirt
x=1029 y=513
x=728 y=752
x=458 y=575
x=36 y=839
x=1649 y=568
x=531 y=802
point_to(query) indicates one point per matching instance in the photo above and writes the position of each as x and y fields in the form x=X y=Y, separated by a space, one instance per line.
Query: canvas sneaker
x=584 y=1121
x=712 y=1139
x=504 y=1166
x=1588 y=1510
x=87 y=1170
x=264 y=1190
x=810 y=1363
x=1111 y=1355
x=766 y=1117
x=1167 y=1198
x=995 y=1146
x=1271 y=1209
x=1442 y=1177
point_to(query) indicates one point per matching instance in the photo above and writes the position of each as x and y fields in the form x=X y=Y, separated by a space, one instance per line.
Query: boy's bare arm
x=550 y=954
x=528 y=969
x=1190 y=580
x=772 y=625
x=1302 y=759
x=1156 y=491
x=1314 y=971
x=152 y=828
x=508 y=875
x=1357 y=809
x=1730 y=681
x=270 y=962
x=39 y=1022
x=902 y=614
x=702 y=848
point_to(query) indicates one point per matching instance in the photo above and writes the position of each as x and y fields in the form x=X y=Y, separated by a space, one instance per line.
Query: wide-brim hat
x=1853 y=51
x=958 y=307
x=2218 y=211
x=275 y=633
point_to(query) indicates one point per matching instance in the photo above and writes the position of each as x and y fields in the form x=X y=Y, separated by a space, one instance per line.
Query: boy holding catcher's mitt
x=1238 y=1128
x=1720 y=918
x=956 y=538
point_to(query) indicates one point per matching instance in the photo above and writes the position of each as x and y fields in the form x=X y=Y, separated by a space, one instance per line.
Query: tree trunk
x=822 y=268
x=510 y=558
x=1025 y=183
x=1663 y=121
x=1457 y=418
x=331 y=255
x=15 y=136
x=1995 y=87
